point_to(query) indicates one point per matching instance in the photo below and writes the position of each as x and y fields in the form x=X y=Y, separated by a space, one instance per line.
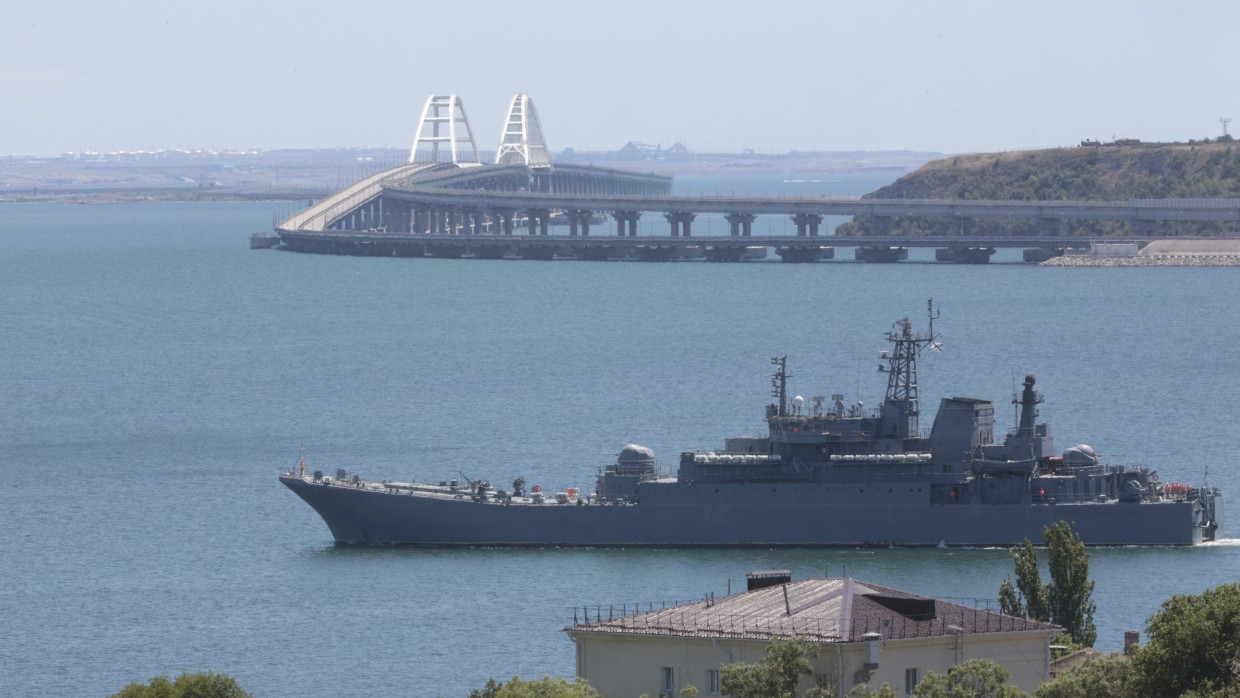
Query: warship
x=823 y=475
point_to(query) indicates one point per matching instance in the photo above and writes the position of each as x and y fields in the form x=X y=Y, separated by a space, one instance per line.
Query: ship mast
x=900 y=409
x=779 y=384
x=1029 y=400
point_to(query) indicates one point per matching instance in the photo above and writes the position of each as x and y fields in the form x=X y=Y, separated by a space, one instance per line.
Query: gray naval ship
x=824 y=475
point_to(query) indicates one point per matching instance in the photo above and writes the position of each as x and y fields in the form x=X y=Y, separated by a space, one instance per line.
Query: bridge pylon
x=522 y=141
x=444 y=113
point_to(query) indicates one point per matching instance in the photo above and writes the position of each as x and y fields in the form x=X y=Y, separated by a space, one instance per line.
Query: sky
x=716 y=75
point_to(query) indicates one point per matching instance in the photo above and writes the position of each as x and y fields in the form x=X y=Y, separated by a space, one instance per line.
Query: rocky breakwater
x=1160 y=253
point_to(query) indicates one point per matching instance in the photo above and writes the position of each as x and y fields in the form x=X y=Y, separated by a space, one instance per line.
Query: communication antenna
x=779 y=383
x=1224 y=120
x=1015 y=401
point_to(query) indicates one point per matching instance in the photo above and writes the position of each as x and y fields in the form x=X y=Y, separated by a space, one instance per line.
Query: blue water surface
x=156 y=376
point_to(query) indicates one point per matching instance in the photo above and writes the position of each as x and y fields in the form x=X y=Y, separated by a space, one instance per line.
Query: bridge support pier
x=539 y=220
x=740 y=224
x=504 y=220
x=681 y=222
x=396 y=217
x=626 y=219
x=579 y=218
x=964 y=255
x=807 y=222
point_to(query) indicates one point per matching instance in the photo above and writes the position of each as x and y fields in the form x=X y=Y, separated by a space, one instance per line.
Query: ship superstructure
x=824 y=474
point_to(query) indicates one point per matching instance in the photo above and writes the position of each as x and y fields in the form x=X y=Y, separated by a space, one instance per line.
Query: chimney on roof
x=1132 y=640
x=866 y=672
x=761 y=579
x=871 y=650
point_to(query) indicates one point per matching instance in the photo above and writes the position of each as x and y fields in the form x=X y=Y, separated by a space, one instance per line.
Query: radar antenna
x=900 y=408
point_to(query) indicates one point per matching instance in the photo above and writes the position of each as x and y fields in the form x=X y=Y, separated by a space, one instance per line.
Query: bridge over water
x=446 y=203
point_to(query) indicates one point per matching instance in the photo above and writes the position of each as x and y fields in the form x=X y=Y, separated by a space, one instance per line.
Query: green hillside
x=1094 y=173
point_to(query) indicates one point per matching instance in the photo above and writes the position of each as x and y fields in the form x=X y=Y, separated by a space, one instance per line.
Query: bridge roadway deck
x=519 y=241
x=1161 y=210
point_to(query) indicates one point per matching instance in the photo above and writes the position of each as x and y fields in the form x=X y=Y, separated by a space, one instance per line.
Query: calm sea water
x=156 y=375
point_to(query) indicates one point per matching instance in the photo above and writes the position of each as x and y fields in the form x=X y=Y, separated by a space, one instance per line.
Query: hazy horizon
x=719 y=77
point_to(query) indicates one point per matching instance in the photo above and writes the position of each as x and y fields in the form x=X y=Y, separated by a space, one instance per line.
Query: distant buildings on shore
x=308 y=172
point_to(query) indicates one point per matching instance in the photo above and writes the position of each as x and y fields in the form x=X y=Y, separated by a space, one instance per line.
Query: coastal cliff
x=1111 y=172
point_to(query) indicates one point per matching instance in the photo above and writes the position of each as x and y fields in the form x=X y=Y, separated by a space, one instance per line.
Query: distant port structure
x=445 y=202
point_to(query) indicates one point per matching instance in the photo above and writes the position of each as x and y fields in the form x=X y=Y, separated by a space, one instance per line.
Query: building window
x=910 y=681
x=667 y=680
x=712 y=682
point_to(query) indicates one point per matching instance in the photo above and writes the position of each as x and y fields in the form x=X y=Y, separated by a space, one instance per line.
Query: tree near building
x=1029 y=598
x=1068 y=599
x=1193 y=645
x=196 y=685
x=1103 y=677
x=776 y=676
x=546 y=687
x=976 y=678
x=864 y=691
x=1070 y=596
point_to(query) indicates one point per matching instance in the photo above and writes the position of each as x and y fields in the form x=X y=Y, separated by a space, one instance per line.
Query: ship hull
x=739 y=514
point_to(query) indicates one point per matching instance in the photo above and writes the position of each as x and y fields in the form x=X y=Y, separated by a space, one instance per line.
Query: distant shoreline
x=104 y=198
x=1205 y=260
x=295 y=175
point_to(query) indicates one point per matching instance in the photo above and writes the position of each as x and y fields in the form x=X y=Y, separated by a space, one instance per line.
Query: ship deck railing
x=1062 y=498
